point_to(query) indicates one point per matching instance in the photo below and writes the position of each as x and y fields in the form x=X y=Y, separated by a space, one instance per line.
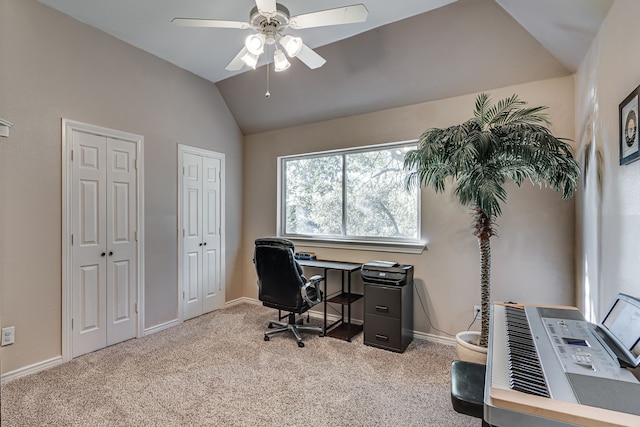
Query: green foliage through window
x=357 y=194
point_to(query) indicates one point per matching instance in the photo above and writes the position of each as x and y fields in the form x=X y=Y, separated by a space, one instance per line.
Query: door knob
x=200 y=244
x=205 y=243
x=102 y=254
x=110 y=253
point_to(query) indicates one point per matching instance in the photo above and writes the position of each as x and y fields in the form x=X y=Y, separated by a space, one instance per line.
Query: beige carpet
x=217 y=370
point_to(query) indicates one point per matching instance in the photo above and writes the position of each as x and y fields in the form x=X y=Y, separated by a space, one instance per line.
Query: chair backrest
x=279 y=275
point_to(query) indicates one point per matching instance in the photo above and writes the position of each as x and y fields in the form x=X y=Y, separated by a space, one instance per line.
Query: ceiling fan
x=269 y=19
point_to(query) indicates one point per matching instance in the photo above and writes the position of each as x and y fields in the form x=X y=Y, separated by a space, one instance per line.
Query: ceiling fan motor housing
x=270 y=26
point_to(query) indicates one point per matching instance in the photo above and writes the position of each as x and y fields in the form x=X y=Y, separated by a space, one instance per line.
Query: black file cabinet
x=388 y=317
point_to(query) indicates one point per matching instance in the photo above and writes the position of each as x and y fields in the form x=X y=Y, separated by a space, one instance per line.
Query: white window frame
x=405 y=245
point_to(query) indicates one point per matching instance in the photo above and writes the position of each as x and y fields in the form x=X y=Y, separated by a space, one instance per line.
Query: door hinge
x=72 y=240
x=135 y=164
x=183 y=232
x=72 y=155
x=184 y=294
x=135 y=235
x=183 y=170
x=71 y=324
x=136 y=307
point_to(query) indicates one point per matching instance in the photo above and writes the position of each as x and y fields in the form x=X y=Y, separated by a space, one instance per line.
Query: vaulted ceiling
x=408 y=51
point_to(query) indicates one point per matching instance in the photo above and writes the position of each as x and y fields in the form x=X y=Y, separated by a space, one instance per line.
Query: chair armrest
x=311 y=292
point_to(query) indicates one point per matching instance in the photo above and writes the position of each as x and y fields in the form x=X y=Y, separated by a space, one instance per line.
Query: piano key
x=525 y=372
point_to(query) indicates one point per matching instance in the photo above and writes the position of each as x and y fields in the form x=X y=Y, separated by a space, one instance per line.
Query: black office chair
x=282 y=286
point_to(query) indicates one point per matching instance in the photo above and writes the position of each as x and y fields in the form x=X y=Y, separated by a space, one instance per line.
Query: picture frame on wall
x=629 y=128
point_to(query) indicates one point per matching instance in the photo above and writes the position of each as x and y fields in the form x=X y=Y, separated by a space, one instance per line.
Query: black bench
x=467 y=388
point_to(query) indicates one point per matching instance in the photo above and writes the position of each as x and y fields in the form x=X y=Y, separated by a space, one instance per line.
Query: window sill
x=377 y=246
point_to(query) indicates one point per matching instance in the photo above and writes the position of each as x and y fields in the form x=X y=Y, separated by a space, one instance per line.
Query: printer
x=387 y=273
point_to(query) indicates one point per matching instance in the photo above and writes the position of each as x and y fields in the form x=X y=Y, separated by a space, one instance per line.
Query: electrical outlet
x=476 y=311
x=8 y=335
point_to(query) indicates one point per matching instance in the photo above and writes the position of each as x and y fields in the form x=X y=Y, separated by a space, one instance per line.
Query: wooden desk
x=339 y=328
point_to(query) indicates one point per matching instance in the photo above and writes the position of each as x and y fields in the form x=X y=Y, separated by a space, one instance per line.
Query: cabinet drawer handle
x=382 y=308
x=382 y=337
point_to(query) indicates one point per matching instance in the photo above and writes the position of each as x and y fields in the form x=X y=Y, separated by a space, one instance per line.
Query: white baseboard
x=176 y=322
x=242 y=300
x=331 y=317
x=162 y=327
x=434 y=338
x=31 y=369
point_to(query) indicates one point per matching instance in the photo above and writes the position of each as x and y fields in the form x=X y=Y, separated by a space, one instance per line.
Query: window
x=352 y=195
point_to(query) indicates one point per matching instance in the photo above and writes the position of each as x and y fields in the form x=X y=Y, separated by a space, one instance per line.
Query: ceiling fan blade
x=212 y=23
x=310 y=57
x=341 y=15
x=237 y=62
x=266 y=7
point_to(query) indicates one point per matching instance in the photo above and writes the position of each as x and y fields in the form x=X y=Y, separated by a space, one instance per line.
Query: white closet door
x=213 y=295
x=201 y=217
x=121 y=240
x=104 y=248
x=89 y=243
x=192 y=234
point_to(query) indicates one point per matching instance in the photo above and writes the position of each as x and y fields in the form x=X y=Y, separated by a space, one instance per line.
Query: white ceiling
x=445 y=48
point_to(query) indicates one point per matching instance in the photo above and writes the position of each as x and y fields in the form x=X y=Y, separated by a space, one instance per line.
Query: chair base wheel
x=292 y=325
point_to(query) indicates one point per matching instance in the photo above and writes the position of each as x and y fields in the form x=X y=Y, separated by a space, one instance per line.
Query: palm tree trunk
x=483 y=230
x=485 y=287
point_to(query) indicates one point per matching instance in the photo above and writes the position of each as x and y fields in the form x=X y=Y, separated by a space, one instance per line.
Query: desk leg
x=325 y=297
x=342 y=305
x=349 y=309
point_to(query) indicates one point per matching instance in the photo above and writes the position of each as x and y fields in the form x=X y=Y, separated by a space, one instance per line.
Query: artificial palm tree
x=503 y=141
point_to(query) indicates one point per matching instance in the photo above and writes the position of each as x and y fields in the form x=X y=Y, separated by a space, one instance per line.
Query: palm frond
x=499 y=113
x=528 y=115
x=483 y=102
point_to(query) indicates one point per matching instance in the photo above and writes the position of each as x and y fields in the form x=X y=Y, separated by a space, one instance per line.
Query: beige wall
x=533 y=259
x=53 y=67
x=609 y=212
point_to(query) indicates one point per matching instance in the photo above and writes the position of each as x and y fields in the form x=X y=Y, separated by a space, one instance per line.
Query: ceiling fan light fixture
x=280 y=61
x=292 y=45
x=250 y=59
x=255 y=43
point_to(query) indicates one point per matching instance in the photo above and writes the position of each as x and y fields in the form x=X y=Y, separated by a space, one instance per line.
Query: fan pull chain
x=267 y=93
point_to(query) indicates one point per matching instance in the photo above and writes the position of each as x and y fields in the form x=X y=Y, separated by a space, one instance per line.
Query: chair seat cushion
x=291 y=309
x=467 y=388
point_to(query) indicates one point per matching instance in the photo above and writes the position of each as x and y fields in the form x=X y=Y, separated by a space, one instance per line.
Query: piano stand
x=467 y=388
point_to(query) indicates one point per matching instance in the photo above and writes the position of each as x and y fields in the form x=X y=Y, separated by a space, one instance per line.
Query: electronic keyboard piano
x=548 y=366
